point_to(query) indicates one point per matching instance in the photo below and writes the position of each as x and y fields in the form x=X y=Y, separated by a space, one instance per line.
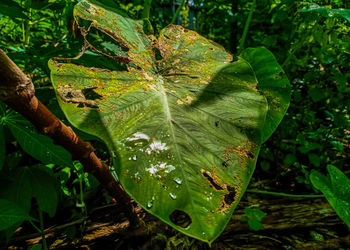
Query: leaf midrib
x=164 y=99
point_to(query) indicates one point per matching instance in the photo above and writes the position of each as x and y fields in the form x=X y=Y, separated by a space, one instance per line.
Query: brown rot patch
x=82 y=97
x=180 y=218
x=242 y=153
x=211 y=179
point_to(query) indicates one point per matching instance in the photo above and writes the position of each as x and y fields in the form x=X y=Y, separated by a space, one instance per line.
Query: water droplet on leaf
x=178 y=181
x=150 y=204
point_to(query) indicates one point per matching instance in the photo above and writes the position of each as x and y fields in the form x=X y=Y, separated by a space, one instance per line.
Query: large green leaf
x=336 y=189
x=39 y=146
x=273 y=83
x=185 y=130
x=11 y=213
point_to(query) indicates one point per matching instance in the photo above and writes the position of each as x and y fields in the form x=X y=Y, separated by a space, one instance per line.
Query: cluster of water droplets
x=159 y=168
x=208 y=195
x=155 y=151
x=156 y=147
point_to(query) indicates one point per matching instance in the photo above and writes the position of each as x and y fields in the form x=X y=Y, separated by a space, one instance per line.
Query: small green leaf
x=257 y=213
x=315 y=159
x=338 y=145
x=11 y=213
x=253 y=217
x=326 y=12
x=308 y=146
x=336 y=189
x=39 y=146
x=255 y=224
x=289 y=160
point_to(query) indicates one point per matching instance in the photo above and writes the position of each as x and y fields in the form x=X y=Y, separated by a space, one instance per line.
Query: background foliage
x=310 y=42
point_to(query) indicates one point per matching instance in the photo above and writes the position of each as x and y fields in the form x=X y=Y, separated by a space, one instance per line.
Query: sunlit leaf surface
x=326 y=12
x=183 y=121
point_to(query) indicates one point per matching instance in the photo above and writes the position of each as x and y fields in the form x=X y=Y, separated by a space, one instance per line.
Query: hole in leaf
x=180 y=218
x=103 y=50
x=230 y=197
x=90 y=94
x=95 y=60
x=83 y=24
x=217 y=123
x=104 y=43
x=234 y=58
x=211 y=181
x=157 y=54
x=224 y=163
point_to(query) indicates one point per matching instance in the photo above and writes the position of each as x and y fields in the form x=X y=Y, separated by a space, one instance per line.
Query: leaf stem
x=246 y=27
x=177 y=13
x=82 y=202
x=43 y=238
x=255 y=191
x=146 y=9
x=36 y=228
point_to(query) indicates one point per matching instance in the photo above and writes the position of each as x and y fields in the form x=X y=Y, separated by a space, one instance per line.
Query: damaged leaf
x=184 y=123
